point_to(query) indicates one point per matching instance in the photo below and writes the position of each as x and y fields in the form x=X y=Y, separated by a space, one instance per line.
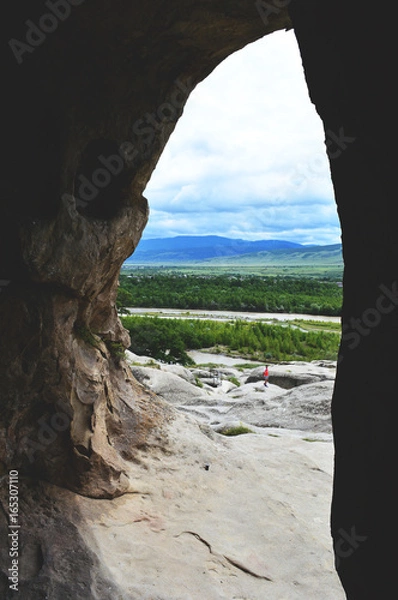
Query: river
x=221 y=315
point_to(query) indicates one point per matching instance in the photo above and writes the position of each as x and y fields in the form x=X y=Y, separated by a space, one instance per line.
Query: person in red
x=266 y=376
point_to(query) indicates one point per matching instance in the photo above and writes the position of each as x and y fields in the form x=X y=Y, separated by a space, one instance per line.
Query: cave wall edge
x=71 y=413
x=348 y=50
x=91 y=97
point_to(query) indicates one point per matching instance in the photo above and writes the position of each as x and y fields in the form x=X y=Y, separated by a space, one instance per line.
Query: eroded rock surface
x=245 y=400
x=215 y=518
x=91 y=97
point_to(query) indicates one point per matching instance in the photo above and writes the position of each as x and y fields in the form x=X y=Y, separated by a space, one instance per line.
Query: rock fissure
x=234 y=562
x=242 y=567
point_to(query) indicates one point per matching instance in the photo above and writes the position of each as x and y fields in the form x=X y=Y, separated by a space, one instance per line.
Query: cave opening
x=73 y=88
x=247 y=158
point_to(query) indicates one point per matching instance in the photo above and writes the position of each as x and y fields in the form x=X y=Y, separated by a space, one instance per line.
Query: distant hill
x=194 y=249
x=217 y=250
x=302 y=256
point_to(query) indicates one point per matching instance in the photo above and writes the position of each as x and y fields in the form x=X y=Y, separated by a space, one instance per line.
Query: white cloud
x=247 y=159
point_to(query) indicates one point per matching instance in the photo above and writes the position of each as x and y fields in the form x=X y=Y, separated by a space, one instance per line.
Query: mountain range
x=217 y=250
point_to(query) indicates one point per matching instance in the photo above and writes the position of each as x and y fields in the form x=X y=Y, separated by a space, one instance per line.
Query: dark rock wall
x=348 y=51
x=57 y=555
x=92 y=91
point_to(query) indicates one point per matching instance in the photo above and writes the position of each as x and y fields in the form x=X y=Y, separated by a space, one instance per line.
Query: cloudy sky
x=247 y=159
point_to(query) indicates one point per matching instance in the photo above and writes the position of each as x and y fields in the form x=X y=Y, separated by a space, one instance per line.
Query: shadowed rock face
x=350 y=83
x=91 y=93
x=58 y=559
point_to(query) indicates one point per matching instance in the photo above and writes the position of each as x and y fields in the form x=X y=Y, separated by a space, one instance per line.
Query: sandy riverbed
x=221 y=315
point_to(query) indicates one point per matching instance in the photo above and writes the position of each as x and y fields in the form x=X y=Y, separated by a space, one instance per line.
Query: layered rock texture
x=91 y=93
x=216 y=517
x=223 y=520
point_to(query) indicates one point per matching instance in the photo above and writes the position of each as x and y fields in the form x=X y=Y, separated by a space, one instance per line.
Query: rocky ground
x=297 y=397
x=212 y=518
x=232 y=518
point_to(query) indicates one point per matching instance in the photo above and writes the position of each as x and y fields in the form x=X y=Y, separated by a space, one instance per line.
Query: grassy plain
x=324 y=272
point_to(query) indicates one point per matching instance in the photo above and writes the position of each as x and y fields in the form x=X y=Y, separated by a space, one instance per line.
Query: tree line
x=250 y=293
x=169 y=340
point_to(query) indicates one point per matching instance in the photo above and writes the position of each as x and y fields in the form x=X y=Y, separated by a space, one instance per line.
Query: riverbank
x=221 y=315
x=169 y=339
